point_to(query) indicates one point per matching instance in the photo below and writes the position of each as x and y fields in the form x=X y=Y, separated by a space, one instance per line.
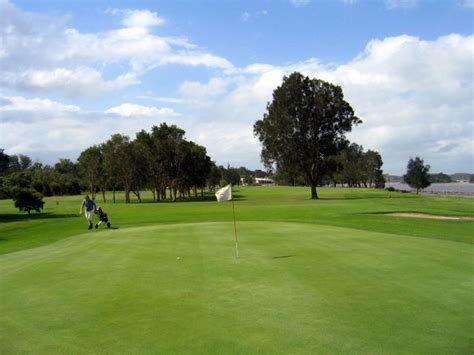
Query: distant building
x=259 y=181
x=264 y=181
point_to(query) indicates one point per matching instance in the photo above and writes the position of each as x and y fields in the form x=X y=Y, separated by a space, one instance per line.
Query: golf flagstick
x=235 y=233
x=225 y=194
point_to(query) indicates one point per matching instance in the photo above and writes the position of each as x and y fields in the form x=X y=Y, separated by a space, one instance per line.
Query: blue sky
x=76 y=72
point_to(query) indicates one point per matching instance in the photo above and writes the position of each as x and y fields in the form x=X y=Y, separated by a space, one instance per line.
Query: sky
x=72 y=73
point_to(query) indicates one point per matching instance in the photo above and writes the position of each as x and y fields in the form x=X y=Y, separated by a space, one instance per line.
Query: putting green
x=297 y=288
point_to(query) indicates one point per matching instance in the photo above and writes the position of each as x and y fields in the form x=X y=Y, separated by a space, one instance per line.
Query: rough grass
x=327 y=276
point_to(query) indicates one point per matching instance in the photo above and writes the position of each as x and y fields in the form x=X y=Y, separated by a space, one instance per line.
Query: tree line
x=161 y=160
x=20 y=172
x=352 y=167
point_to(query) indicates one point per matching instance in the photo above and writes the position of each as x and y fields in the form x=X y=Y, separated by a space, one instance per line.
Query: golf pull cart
x=103 y=218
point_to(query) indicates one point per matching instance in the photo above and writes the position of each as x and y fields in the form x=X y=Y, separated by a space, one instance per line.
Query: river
x=454 y=188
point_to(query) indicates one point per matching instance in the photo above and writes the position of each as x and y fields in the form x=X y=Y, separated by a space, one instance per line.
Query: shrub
x=27 y=200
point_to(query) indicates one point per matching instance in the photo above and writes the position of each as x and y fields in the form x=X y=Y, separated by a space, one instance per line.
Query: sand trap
x=426 y=215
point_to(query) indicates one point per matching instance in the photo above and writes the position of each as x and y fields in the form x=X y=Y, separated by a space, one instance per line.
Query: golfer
x=90 y=207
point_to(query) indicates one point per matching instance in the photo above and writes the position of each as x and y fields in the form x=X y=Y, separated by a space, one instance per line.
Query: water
x=455 y=188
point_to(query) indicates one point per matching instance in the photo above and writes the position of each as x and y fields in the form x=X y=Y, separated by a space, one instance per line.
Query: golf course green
x=334 y=275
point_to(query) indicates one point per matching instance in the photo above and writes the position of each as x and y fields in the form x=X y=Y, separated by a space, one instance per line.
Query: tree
x=166 y=140
x=417 y=176
x=195 y=165
x=304 y=125
x=440 y=178
x=351 y=161
x=372 y=164
x=27 y=200
x=248 y=179
x=91 y=168
x=230 y=175
x=119 y=163
x=214 y=177
x=66 y=166
x=19 y=162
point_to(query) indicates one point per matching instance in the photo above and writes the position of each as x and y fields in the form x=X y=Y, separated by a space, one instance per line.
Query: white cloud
x=41 y=52
x=172 y=100
x=214 y=87
x=137 y=18
x=141 y=18
x=129 y=110
x=81 y=81
x=37 y=105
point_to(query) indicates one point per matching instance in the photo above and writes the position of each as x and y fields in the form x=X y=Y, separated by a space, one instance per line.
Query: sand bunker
x=426 y=215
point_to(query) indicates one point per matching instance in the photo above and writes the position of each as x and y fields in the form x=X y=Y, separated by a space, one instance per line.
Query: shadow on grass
x=112 y=227
x=5 y=218
x=205 y=198
x=282 y=256
x=366 y=197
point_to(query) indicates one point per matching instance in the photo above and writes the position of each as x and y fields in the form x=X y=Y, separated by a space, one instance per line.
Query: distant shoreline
x=449 y=193
x=461 y=189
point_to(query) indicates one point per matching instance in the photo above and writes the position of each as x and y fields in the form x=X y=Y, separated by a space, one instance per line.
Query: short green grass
x=327 y=276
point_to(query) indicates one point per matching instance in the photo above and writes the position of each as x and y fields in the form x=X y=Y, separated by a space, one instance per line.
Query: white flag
x=224 y=194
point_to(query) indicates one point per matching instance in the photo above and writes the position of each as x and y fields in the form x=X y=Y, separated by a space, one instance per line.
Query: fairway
x=298 y=287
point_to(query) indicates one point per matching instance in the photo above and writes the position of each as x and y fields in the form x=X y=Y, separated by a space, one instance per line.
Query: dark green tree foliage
x=197 y=166
x=66 y=166
x=372 y=165
x=304 y=125
x=145 y=148
x=91 y=168
x=229 y=175
x=168 y=140
x=352 y=172
x=356 y=168
x=214 y=177
x=19 y=162
x=160 y=160
x=119 y=163
x=417 y=176
x=27 y=200
x=440 y=178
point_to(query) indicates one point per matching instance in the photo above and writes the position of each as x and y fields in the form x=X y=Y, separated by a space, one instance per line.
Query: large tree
x=417 y=176
x=304 y=125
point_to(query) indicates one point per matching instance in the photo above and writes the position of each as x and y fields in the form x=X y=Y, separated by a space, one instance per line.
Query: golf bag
x=102 y=217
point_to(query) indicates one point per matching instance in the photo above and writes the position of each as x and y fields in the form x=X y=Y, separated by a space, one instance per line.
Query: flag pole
x=235 y=233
